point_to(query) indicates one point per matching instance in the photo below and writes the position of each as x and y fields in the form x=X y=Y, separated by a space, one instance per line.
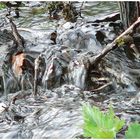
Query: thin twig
x=81 y=9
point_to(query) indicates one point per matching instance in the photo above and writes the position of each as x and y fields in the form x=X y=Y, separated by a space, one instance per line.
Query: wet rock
x=100 y=36
x=112 y=17
x=2 y=107
x=57 y=59
x=53 y=37
x=69 y=91
x=136 y=99
x=80 y=39
x=136 y=38
x=1 y=84
x=78 y=71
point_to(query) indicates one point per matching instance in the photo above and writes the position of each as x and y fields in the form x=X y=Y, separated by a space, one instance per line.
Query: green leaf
x=98 y=124
x=133 y=131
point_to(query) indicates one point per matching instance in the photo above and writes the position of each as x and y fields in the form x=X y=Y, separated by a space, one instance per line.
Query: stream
x=56 y=111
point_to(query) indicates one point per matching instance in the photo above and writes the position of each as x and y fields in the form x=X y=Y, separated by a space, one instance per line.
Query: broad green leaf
x=98 y=124
x=133 y=131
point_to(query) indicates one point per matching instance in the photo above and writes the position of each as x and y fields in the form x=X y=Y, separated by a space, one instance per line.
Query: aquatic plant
x=100 y=125
x=70 y=13
x=54 y=8
x=2 y=5
x=120 y=42
x=36 y=11
x=67 y=9
x=133 y=131
x=125 y=40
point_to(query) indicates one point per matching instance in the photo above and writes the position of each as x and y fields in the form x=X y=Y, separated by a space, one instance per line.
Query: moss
x=2 y=5
x=120 y=42
x=36 y=11
x=125 y=40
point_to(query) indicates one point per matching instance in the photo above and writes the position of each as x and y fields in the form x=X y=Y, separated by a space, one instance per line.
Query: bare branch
x=96 y=59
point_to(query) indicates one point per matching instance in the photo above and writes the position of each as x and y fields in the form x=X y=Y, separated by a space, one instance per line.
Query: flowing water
x=56 y=113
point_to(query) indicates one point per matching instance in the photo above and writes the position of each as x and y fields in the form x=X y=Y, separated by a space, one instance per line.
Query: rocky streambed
x=68 y=79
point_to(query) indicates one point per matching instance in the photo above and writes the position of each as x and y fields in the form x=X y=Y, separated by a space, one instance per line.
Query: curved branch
x=96 y=59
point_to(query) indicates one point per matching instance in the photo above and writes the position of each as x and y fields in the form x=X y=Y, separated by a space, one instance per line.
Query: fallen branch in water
x=96 y=59
x=102 y=87
x=18 y=38
x=37 y=63
x=81 y=9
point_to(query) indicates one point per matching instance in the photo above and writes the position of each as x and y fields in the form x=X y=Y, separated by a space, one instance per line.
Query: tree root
x=102 y=87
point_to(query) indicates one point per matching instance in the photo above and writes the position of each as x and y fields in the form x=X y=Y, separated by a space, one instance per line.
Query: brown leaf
x=17 y=63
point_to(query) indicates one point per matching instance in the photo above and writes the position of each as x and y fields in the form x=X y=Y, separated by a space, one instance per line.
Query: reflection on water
x=37 y=17
x=96 y=9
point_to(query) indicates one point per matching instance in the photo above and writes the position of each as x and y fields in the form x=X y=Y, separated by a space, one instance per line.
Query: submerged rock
x=78 y=71
x=57 y=59
x=80 y=39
